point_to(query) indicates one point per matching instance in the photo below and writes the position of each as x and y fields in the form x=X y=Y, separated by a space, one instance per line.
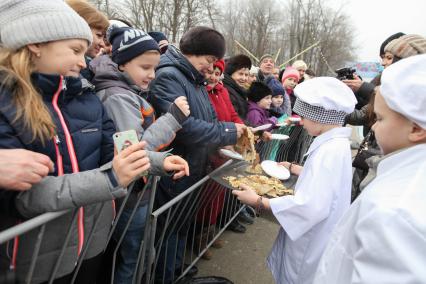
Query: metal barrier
x=43 y=220
x=292 y=149
x=178 y=232
x=181 y=233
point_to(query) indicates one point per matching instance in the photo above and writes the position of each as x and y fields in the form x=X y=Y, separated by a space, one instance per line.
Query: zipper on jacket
x=72 y=155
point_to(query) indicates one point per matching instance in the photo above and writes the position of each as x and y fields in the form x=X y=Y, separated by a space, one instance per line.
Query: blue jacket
x=91 y=132
x=201 y=132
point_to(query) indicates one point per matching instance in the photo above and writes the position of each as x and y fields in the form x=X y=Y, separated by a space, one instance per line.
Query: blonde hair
x=94 y=18
x=16 y=69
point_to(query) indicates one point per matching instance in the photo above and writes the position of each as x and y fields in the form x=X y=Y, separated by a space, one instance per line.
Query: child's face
x=277 y=101
x=241 y=76
x=142 y=68
x=391 y=129
x=387 y=59
x=312 y=127
x=63 y=57
x=276 y=73
x=213 y=76
x=265 y=103
x=97 y=44
x=290 y=83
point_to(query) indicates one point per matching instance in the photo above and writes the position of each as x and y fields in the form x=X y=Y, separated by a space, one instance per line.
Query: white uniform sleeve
x=392 y=248
x=313 y=198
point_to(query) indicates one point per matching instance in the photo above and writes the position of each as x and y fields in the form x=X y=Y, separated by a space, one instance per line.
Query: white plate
x=294 y=119
x=231 y=154
x=274 y=170
x=261 y=127
x=279 y=136
x=281 y=124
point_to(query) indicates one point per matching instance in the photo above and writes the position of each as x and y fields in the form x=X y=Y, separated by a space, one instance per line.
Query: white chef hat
x=326 y=100
x=404 y=88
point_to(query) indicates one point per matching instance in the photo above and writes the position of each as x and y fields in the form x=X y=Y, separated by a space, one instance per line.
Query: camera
x=345 y=73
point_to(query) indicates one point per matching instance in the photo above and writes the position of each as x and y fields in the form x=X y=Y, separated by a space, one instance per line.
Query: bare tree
x=260 y=26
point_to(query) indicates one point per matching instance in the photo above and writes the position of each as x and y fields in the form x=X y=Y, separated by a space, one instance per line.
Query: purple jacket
x=257 y=116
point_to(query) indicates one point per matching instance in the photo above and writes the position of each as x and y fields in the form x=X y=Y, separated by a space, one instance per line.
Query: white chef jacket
x=382 y=237
x=322 y=194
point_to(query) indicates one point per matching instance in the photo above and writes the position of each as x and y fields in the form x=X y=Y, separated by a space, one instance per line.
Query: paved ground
x=243 y=258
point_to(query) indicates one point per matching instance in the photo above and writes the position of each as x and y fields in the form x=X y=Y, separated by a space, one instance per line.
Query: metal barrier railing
x=174 y=230
x=291 y=150
x=185 y=233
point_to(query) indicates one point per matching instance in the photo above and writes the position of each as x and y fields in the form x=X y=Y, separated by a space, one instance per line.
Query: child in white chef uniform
x=322 y=192
x=382 y=237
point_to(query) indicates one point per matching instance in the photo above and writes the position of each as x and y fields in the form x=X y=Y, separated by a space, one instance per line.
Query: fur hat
x=257 y=91
x=407 y=45
x=23 y=22
x=236 y=63
x=275 y=86
x=219 y=64
x=127 y=43
x=290 y=72
x=203 y=41
x=388 y=40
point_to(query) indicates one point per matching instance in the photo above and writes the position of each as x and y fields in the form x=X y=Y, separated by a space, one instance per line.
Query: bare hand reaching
x=182 y=103
x=176 y=164
x=20 y=169
x=240 y=129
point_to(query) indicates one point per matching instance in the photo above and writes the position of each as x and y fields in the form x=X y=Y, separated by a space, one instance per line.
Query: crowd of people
x=70 y=78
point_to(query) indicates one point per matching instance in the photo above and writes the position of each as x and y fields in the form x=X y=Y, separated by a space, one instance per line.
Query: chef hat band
x=319 y=114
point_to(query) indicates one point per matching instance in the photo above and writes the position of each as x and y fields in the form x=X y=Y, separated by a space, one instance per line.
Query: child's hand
x=246 y=195
x=182 y=103
x=176 y=164
x=130 y=163
x=294 y=169
x=266 y=136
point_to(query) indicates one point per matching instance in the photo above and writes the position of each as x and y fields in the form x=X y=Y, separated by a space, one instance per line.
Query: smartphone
x=124 y=139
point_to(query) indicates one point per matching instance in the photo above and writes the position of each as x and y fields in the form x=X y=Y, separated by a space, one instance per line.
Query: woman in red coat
x=219 y=96
x=214 y=198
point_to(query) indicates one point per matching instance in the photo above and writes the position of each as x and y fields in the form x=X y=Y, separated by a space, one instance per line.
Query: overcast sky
x=375 y=20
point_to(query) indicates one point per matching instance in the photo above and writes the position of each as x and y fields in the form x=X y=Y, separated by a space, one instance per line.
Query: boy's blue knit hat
x=275 y=86
x=127 y=43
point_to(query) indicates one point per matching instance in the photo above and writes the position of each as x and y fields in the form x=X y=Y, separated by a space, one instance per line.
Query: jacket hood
x=173 y=57
x=107 y=75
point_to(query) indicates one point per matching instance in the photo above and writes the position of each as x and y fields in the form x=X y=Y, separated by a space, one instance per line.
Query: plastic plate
x=274 y=170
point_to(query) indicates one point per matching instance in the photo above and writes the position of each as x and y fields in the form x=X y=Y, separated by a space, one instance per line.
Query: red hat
x=290 y=72
x=220 y=64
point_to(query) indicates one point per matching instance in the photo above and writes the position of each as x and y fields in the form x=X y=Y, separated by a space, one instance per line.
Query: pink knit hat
x=290 y=72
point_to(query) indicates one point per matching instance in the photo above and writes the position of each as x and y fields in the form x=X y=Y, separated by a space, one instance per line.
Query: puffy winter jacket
x=80 y=121
x=201 y=132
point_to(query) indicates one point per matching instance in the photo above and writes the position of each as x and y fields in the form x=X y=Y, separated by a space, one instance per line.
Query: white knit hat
x=24 y=22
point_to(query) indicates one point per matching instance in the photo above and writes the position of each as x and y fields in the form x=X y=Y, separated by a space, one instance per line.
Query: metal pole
x=300 y=53
x=247 y=51
x=29 y=225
